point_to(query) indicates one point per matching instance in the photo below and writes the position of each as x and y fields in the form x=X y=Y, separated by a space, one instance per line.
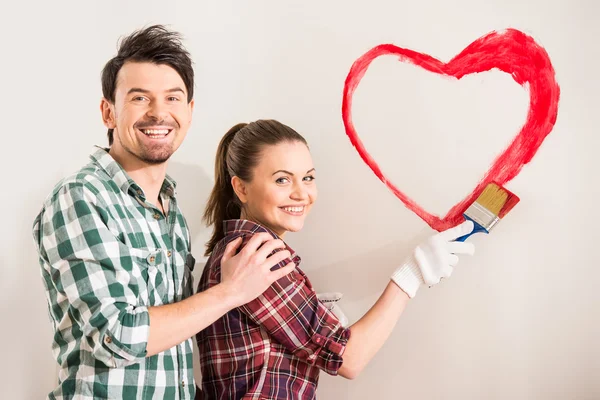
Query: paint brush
x=491 y=206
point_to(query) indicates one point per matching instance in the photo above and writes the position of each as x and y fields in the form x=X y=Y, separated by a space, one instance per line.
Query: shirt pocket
x=153 y=281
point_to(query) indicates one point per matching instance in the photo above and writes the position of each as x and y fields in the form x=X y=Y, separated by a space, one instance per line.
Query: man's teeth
x=155 y=131
x=293 y=209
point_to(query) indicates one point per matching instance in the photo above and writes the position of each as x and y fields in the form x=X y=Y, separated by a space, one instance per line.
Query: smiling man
x=114 y=247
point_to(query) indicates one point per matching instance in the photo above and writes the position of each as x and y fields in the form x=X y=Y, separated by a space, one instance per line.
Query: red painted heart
x=510 y=51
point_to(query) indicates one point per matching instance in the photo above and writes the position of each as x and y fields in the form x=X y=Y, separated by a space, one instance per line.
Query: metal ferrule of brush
x=482 y=216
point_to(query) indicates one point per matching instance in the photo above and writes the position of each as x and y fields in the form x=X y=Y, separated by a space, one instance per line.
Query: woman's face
x=282 y=190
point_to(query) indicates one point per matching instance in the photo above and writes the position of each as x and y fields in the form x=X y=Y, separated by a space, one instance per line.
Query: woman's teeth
x=294 y=209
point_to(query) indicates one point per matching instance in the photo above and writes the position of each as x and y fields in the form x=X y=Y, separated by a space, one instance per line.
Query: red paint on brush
x=510 y=51
x=511 y=201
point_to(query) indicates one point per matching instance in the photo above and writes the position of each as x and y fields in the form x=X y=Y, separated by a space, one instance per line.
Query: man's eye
x=173 y=98
x=139 y=98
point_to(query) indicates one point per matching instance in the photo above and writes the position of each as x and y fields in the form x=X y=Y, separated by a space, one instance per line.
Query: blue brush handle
x=476 y=229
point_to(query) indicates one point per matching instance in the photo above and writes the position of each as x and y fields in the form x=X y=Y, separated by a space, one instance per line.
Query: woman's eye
x=309 y=178
x=282 y=180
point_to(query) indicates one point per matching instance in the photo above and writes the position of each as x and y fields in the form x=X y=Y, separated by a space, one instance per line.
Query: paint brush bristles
x=497 y=200
x=511 y=201
x=492 y=198
x=493 y=203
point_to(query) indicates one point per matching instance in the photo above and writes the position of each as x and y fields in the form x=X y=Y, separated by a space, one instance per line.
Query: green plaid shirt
x=106 y=255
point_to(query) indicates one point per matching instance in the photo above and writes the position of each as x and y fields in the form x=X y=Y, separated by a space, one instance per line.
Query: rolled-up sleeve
x=291 y=313
x=97 y=286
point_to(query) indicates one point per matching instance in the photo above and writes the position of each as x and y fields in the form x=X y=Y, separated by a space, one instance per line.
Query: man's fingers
x=283 y=271
x=276 y=259
x=461 y=248
x=460 y=230
x=230 y=249
x=268 y=247
x=256 y=241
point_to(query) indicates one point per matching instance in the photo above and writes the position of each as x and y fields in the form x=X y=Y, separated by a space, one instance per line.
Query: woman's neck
x=245 y=215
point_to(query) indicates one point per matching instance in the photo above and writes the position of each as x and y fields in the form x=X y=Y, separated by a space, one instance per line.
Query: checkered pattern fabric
x=106 y=256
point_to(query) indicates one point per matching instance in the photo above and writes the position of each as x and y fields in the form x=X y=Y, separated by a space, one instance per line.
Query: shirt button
x=108 y=339
x=182 y=383
x=156 y=216
x=152 y=259
x=139 y=192
x=168 y=254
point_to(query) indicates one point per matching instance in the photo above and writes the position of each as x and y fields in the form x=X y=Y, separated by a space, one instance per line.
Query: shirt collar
x=103 y=160
x=244 y=226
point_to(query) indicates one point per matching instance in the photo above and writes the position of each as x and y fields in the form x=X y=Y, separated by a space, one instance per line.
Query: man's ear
x=240 y=189
x=108 y=114
x=191 y=106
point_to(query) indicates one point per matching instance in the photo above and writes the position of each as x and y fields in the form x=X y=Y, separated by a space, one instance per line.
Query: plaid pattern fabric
x=274 y=346
x=106 y=255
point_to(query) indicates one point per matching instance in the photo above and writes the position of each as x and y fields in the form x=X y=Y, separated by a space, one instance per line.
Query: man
x=115 y=249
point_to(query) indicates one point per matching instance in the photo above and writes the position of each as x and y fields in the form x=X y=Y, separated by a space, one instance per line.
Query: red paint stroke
x=510 y=51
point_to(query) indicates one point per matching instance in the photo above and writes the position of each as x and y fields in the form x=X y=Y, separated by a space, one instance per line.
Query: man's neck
x=149 y=177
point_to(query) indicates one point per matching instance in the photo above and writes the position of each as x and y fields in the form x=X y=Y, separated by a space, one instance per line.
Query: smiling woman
x=279 y=199
x=276 y=345
x=277 y=192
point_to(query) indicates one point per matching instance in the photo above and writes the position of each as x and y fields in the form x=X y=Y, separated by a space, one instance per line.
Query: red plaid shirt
x=274 y=346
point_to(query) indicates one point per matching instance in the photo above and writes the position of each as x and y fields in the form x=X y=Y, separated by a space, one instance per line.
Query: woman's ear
x=240 y=189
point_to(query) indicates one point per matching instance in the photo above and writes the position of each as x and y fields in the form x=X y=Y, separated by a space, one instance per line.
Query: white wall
x=518 y=320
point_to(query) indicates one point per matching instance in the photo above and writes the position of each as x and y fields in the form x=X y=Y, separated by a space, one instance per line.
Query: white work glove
x=330 y=300
x=433 y=259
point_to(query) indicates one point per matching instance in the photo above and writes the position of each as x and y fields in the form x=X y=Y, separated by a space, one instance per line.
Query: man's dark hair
x=154 y=44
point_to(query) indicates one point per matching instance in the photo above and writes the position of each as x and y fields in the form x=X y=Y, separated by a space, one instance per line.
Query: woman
x=275 y=346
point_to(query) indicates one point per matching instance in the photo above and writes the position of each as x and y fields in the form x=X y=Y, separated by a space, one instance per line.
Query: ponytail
x=222 y=203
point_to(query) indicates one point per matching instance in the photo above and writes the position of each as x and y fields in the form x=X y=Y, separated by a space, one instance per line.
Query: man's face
x=151 y=115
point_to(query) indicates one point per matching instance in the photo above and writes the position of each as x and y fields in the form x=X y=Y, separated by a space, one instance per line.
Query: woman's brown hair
x=237 y=155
